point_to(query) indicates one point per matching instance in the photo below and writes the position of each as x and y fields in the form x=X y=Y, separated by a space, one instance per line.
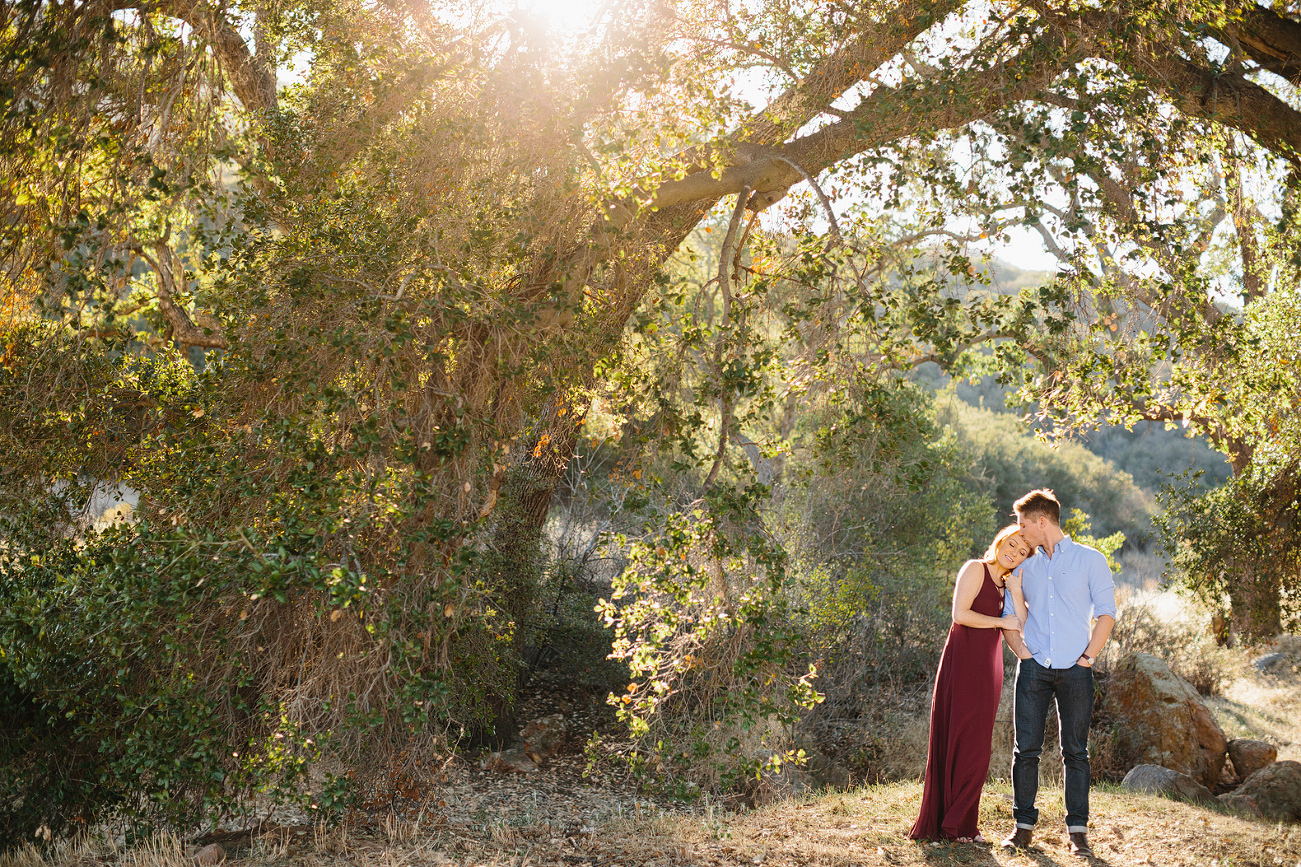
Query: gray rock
x=1273 y=792
x=1156 y=780
x=1249 y=756
x=1270 y=662
x=1159 y=719
x=1240 y=803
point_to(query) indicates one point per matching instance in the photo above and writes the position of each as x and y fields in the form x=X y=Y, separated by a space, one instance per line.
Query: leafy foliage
x=1011 y=463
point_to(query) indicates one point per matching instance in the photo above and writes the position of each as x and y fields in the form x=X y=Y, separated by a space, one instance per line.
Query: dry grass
x=865 y=827
x=1264 y=706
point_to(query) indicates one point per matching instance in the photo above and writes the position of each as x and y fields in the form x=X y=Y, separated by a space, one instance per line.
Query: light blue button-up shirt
x=1063 y=594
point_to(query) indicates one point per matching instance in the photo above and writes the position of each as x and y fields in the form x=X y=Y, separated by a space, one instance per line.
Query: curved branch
x=208 y=333
x=1270 y=39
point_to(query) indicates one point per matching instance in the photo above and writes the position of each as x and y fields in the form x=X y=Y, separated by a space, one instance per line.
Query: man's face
x=1032 y=529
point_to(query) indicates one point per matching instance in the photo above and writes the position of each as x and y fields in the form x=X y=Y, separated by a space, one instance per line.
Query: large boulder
x=1158 y=719
x=1273 y=792
x=1249 y=756
x=1156 y=780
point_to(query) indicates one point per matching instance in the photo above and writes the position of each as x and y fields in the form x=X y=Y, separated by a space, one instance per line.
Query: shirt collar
x=1062 y=544
x=1065 y=543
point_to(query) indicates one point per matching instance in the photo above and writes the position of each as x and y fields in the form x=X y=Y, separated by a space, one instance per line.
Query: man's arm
x=1102 y=593
x=1101 y=632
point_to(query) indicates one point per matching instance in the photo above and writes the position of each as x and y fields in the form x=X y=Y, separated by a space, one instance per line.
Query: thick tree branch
x=1271 y=40
x=1231 y=100
x=836 y=74
x=252 y=81
x=208 y=333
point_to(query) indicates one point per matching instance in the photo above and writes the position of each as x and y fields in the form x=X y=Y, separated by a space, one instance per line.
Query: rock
x=1270 y=662
x=508 y=762
x=1240 y=803
x=1228 y=780
x=1160 y=720
x=543 y=737
x=209 y=856
x=1273 y=792
x=1156 y=780
x=1250 y=756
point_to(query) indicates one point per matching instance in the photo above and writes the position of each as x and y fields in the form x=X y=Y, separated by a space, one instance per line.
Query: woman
x=967 y=689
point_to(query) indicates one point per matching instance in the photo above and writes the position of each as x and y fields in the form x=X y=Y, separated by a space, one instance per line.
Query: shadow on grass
x=948 y=854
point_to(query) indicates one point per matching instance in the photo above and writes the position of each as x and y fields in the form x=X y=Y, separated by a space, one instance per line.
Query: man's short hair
x=1039 y=503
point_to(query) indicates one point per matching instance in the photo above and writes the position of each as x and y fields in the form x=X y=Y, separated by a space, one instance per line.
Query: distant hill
x=1151 y=454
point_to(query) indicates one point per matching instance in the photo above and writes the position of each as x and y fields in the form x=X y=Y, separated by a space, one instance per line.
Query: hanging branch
x=724 y=284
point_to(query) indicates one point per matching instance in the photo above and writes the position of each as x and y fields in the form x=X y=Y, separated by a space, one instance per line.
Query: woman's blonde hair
x=992 y=554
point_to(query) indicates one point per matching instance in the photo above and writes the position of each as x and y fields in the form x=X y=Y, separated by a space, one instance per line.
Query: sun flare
x=565 y=16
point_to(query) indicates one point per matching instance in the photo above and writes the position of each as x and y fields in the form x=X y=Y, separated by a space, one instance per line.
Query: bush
x=1237 y=546
x=1187 y=646
x=882 y=513
x=702 y=617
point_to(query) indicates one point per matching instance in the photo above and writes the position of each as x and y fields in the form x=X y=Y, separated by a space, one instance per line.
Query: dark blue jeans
x=1036 y=689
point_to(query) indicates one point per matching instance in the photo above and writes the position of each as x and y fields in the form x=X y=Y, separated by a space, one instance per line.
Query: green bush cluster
x=268 y=604
x=1236 y=548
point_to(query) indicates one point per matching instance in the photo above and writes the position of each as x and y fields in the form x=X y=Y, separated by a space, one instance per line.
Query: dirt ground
x=862 y=827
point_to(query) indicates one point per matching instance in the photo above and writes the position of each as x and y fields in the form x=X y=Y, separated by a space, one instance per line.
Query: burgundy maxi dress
x=963 y=708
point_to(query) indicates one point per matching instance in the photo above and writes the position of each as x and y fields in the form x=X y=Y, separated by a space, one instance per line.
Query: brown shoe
x=1018 y=839
x=1080 y=845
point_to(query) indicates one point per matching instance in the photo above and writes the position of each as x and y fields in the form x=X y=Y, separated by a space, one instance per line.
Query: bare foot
x=979 y=838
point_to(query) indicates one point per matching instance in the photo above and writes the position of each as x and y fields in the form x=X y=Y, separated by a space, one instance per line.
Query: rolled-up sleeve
x=1102 y=588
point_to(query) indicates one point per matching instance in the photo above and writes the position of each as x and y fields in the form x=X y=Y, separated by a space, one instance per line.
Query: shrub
x=1011 y=462
x=703 y=618
x=880 y=517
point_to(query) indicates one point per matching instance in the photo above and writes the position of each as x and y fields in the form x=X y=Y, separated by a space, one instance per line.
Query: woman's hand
x=1011 y=622
x=1012 y=581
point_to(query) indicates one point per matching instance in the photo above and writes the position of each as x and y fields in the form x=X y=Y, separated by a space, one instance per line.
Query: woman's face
x=1012 y=551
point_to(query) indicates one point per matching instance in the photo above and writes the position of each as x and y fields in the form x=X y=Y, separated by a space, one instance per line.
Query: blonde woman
x=967 y=688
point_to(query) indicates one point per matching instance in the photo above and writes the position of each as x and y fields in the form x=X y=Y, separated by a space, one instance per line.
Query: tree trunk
x=1256 y=614
x=515 y=559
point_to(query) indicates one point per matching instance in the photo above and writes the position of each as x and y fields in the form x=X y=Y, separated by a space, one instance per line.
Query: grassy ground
x=864 y=827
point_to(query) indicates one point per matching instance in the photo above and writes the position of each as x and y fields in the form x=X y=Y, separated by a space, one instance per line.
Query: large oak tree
x=400 y=241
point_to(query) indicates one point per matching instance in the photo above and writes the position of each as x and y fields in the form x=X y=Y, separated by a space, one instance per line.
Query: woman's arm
x=964 y=594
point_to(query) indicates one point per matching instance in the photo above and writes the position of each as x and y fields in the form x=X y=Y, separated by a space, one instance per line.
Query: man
x=1063 y=583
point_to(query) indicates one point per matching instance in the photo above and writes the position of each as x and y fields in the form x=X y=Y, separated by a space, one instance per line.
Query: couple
x=1043 y=610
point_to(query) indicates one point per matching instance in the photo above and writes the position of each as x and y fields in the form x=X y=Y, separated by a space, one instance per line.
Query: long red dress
x=963 y=708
